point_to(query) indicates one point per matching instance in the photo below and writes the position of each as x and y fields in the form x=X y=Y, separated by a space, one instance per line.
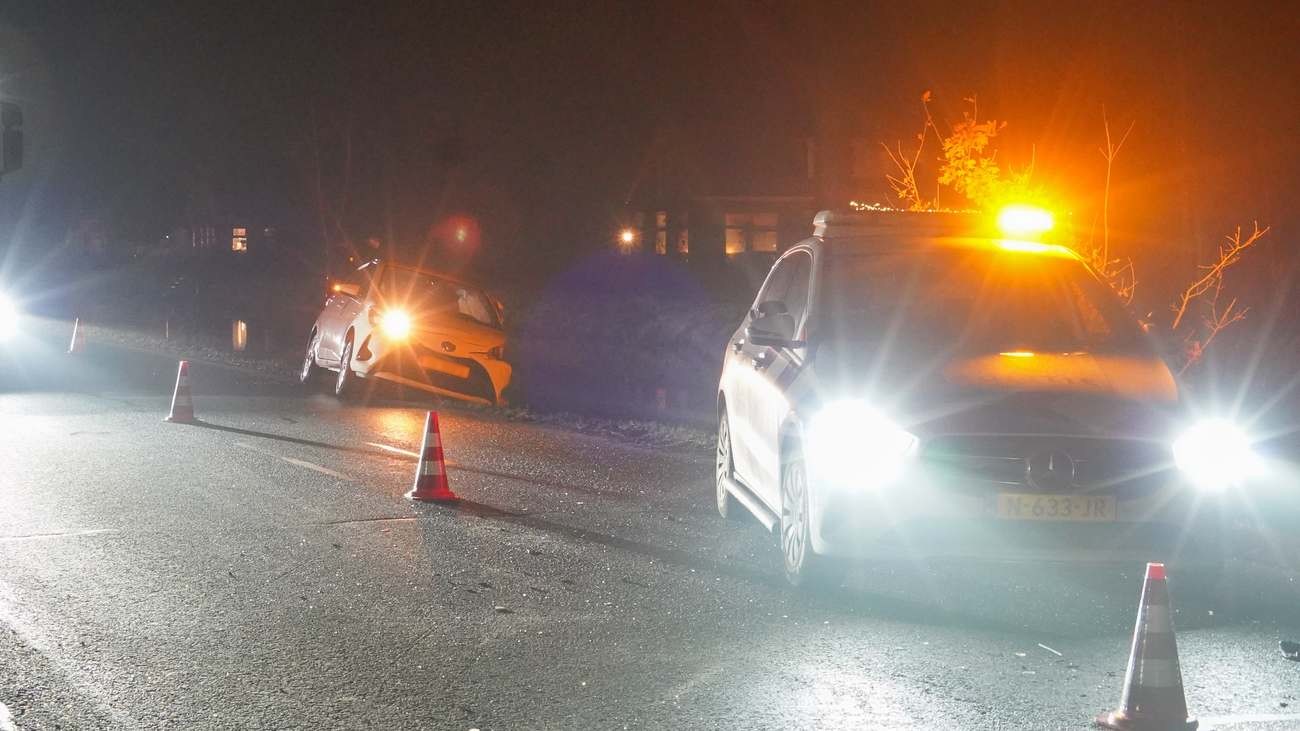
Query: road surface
x=262 y=570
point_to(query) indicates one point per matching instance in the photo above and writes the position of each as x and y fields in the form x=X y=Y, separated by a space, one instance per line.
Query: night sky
x=538 y=118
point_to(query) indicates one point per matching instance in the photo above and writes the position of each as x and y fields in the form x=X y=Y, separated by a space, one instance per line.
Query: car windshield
x=424 y=292
x=976 y=302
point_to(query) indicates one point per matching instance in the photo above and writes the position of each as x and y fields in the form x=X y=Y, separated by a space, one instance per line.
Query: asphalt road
x=262 y=570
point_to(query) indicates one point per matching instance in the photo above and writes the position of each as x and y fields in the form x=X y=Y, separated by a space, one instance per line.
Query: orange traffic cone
x=1153 y=686
x=431 y=473
x=78 y=343
x=182 y=399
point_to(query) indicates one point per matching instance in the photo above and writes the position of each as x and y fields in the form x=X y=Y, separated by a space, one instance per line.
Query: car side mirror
x=338 y=286
x=773 y=331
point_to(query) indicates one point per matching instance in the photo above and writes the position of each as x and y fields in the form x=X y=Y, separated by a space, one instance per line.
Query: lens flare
x=8 y=318
x=1215 y=454
x=396 y=324
x=1022 y=220
x=850 y=444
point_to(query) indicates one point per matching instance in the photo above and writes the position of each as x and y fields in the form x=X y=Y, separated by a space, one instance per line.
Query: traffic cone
x=431 y=473
x=1153 y=686
x=182 y=399
x=78 y=343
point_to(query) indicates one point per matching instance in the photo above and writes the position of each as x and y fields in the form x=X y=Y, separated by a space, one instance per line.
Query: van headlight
x=8 y=318
x=1215 y=454
x=850 y=444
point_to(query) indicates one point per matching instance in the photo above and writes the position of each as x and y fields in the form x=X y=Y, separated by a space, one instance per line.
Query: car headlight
x=8 y=318
x=396 y=324
x=850 y=444
x=1215 y=454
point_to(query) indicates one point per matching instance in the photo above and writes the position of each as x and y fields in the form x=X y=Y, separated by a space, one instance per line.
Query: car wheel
x=803 y=566
x=310 y=371
x=727 y=505
x=345 y=383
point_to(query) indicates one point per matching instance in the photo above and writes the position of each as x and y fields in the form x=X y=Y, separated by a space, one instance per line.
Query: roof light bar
x=1022 y=220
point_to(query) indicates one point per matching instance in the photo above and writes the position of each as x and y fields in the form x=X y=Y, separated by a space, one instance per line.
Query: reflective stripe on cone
x=1153 y=685
x=182 y=411
x=78 y=338
x=431 y=473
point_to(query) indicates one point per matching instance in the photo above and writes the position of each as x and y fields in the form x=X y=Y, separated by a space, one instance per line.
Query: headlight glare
x=396 y=324
x=851 y=444
x=1215 y=454
x=8 y=318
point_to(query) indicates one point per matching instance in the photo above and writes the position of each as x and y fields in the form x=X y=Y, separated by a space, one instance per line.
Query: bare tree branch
x=1110 y=152
x=1206 y=292
x=1229 y=254
x=904 y=182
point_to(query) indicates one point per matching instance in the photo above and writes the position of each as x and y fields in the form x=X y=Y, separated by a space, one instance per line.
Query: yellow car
x=412 y=326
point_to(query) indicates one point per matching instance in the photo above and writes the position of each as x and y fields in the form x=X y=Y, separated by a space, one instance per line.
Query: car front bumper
x=927 y=515
x=472 y=376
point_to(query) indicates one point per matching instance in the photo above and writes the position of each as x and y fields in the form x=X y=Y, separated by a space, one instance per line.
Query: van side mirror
x=773 y=330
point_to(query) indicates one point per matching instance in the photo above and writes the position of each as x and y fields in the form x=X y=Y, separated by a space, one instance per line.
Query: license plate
x=430 y=363
x=1020 y=506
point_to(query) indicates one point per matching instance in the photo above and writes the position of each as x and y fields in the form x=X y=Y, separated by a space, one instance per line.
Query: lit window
x=239 y=239
x=736 y=225
x=683 y=237
x=661 y=232
x=238 y=336
x=751 y=232
x=763 y=235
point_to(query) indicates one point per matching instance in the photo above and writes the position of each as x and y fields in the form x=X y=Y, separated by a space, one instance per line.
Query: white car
x=910 y=385
x=412 y=326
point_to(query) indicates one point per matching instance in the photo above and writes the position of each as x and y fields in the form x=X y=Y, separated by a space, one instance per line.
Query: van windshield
x=976 y=302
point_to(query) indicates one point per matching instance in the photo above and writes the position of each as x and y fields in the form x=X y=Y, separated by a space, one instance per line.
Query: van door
x=772 y=370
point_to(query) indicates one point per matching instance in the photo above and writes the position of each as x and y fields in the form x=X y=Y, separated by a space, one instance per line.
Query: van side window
x=778 y=281
x=796 y=294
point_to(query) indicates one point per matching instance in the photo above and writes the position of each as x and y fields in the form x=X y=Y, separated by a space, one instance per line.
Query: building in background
x=231 y=236
x=717 y=199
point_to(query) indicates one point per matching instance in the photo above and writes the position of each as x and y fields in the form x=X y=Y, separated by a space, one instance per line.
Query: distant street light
x=626 y=238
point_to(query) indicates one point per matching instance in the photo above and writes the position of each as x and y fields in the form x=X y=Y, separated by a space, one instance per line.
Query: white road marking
x=15 y=612
x=7 y=719
x=313 y=466
x=63 y=534
x=394 y=450
x=296 y=462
